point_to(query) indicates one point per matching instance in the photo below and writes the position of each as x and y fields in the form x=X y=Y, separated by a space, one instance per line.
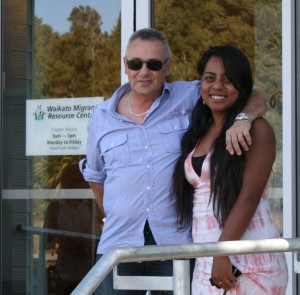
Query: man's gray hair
x=150 y=34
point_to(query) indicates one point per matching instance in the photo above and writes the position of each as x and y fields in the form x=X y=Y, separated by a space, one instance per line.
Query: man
x=133 y=144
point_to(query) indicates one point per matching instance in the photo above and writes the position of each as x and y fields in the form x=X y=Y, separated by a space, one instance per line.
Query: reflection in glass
x=253 y=26
x=71 y=61
x=70 y=248
x=42 y=61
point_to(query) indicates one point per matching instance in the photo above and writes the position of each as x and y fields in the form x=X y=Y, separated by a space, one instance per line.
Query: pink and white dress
x=263 y=273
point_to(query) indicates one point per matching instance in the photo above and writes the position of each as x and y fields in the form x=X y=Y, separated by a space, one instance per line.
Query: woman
x=230 y=192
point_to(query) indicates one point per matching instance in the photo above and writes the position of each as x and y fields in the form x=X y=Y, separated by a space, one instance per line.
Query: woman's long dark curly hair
x=226 y=170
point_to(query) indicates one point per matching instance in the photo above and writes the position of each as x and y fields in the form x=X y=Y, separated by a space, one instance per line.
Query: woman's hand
x=221 y=273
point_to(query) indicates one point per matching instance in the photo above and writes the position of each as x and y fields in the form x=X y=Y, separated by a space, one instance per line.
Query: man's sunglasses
x=153 y=65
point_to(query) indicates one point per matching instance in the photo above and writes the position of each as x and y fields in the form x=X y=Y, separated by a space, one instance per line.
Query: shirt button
x=175 y=127
x=148 y=187
x=148 y=166
x=112 y=144
x=148 y=209
x=146 y=146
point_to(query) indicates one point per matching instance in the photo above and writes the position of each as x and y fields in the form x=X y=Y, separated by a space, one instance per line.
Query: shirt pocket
x=171 y=132
x=114 y=150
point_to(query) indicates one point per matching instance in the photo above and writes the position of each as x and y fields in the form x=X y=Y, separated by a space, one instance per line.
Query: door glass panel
x=55 y=69
x=253 y=26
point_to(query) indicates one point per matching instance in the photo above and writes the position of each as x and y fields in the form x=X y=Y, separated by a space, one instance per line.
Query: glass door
x=54 y=70
x=252 y=26
x=258 y=28
x=55 y=67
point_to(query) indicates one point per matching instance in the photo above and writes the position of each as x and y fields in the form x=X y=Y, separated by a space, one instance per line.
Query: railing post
x=181 y=277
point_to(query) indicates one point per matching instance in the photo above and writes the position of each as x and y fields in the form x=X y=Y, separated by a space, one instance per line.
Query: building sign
x=58 y=126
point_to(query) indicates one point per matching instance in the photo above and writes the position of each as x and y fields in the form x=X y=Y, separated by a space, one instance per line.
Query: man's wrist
x=243 y=116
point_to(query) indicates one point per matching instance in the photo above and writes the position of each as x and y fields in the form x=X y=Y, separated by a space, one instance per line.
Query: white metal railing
x=173 y=252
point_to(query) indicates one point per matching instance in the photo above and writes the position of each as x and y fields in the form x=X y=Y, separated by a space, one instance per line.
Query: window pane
x=54 y=52
x=253 y=26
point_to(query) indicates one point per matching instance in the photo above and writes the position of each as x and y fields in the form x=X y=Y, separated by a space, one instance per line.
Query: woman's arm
x=259 y=162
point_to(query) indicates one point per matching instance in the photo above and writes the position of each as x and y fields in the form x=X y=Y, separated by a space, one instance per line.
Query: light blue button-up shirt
x=135 y=163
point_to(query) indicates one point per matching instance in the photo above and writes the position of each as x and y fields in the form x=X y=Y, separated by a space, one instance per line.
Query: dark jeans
x=148 y=268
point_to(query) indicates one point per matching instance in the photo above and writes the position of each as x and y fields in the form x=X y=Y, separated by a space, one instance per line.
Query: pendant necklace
x=134 y=114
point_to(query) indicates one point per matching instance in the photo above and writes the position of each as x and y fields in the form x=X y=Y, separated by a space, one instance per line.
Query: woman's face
x=218 y=93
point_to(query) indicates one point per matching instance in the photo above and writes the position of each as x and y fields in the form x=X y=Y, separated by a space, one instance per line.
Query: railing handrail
x=183 y=251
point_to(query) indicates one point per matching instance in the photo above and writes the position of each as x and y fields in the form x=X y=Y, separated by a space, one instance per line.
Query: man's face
x=145 y=82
